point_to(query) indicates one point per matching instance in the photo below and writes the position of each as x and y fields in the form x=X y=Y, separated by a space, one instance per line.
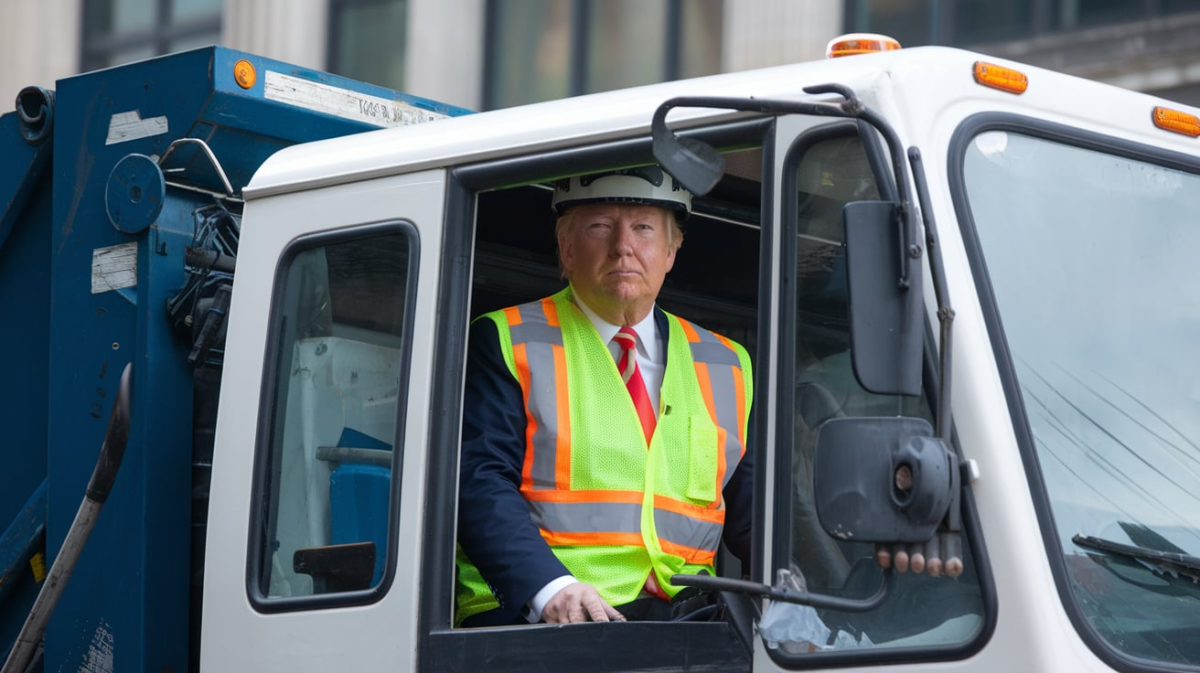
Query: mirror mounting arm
x=822 y=601
x=941 y=291
x=945 y=314
x=699 y=166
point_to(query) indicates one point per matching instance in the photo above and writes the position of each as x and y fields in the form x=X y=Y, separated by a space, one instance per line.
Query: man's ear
x=671 y=250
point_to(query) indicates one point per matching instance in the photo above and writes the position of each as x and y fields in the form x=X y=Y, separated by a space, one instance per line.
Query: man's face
x=616 y=257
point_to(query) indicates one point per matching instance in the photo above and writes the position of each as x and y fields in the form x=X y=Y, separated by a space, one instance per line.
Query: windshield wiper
x=1161 y=562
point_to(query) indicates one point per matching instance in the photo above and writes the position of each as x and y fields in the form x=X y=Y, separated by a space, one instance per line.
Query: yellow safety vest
x=612 y=508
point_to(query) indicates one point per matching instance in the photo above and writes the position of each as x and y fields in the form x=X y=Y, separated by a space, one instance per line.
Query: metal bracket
x=212 y=158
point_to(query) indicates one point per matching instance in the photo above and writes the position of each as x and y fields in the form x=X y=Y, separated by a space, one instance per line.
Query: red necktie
x=626 y=338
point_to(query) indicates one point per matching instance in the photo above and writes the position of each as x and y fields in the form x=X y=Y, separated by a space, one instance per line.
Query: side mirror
x=883 y=479
x=694 y=163
x=886 y=305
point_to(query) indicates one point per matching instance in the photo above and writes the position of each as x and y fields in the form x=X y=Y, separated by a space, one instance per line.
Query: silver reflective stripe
x=686 y=531
x=723 y=365
x=621 y=517
x=587 y=517
x=538 y=336
x=713 y=352
x=725 y=401
x=541 y=332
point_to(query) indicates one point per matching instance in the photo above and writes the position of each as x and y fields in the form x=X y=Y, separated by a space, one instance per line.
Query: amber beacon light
x=1174 y=120
x=859 y=43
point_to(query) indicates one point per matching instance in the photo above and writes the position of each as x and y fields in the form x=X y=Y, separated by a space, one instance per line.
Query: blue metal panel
x=24 y=538
x=21 y=172
x=127 y=601
x=25 y=190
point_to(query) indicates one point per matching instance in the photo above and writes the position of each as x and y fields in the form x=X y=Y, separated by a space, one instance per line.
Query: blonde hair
x=563 y=225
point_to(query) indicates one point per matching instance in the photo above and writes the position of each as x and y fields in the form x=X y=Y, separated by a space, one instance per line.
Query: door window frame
x=272 y=409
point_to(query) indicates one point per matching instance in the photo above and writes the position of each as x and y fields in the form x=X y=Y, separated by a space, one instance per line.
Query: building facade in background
x=486 y=54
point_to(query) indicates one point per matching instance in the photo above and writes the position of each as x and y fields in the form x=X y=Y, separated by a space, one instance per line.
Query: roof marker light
x=1173 y=120
x=999 y=77
x=859 y=43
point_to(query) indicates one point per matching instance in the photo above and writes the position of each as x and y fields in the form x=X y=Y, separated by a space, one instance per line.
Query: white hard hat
x=649 y=185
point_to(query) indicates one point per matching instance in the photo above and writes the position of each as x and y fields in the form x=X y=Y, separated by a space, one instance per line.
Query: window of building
x=121 y=31
x=967 y=22
x=367 y=40
x=541 y=50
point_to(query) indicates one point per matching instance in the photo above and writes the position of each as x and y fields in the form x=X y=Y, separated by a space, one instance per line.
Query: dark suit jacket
x=494 y=527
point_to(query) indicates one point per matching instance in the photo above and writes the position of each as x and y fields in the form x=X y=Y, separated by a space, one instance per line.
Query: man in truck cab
x=604 y=440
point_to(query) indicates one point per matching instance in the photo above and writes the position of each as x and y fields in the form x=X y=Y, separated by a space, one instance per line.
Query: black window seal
x=955 y=164
x=258 y=533
x=440 y=646
x=785 y=400
x=785 y=444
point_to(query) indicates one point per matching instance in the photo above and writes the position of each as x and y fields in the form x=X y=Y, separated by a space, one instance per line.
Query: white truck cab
x=1044 y=233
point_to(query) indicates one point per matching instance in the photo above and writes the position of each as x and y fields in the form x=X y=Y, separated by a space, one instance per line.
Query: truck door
x=319 y=463
x=822 y=167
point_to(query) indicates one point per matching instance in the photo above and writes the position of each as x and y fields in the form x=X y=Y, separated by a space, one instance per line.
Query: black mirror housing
x=694 y=163
x=886 y=314
x=883 y=479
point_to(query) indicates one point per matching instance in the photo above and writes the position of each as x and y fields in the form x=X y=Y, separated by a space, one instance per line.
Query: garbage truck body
x=971 y=272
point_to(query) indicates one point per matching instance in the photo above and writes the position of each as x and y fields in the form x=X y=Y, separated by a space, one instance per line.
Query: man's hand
x=579 y=602
x=940 y=554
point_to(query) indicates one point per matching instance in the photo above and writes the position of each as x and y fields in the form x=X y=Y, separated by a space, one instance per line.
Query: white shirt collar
x=647 y=331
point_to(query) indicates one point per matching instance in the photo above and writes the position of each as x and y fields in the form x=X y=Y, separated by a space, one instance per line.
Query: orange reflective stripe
x=627 y=497
x=689 y=509
x=522 y=364
x=702 y=557
x=689 y=330
x=562 y=447
x=593 y=539
x=513 y=315
x=551 y=311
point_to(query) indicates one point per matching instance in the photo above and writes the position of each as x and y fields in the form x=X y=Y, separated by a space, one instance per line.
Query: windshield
x=1093 y=262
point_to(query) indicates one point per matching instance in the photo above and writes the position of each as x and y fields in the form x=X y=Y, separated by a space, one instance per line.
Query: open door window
x=825 y=170
x=714 y=283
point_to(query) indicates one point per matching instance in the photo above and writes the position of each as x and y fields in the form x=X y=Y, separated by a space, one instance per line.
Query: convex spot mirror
x=886 y=306
x=882 y=479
